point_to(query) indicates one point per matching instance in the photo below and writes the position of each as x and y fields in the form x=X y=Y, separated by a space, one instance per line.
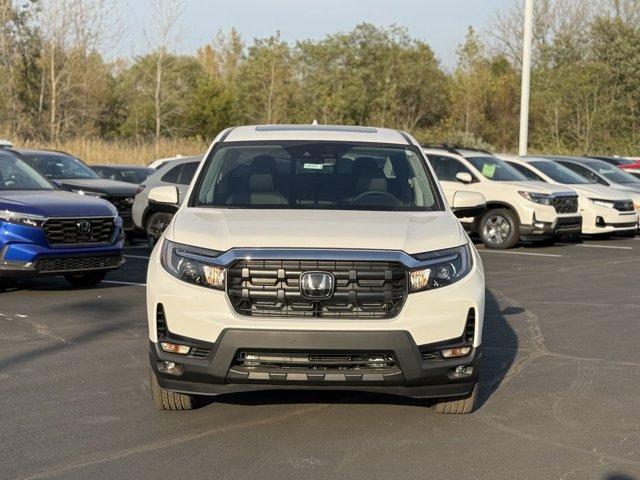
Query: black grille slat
x=271 y=288
x=67 y=231
x=76 y=264
x=566 y=204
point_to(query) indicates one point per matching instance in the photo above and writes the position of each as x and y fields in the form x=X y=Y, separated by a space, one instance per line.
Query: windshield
x=59 y=166
x=495 y=169
x=611 y=172
x=560 y=173
x=318 y=175
x=17 y=175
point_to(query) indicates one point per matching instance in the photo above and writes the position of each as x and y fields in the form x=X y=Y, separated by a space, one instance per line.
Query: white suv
x=517 y=209
x=315 y=257
x=604 y=209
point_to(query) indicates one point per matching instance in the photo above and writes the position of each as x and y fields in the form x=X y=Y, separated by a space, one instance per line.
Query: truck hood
x=55 y=203
x=99 y=185
x=223 y=229
x=601 y=192
x=539 y=187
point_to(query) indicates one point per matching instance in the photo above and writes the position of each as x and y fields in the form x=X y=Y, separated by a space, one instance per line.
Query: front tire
x=498 y=228
x=90 y=279
x=156 y=224
x=164 y=399
x=458 y=405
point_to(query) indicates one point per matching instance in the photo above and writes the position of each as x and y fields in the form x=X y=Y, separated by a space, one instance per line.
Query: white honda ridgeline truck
x=315 y=257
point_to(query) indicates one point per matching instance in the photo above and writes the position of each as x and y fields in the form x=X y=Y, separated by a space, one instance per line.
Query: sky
x=441 y=23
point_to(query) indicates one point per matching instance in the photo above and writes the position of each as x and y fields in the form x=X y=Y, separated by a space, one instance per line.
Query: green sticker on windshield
x=489 y=169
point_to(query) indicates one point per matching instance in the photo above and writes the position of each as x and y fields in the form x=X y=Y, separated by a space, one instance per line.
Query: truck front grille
x=79 y=231
x=76 y=264
x=566 y=204
x=272 y=288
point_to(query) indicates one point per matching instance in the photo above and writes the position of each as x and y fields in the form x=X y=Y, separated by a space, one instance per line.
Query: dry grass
x=96 y=151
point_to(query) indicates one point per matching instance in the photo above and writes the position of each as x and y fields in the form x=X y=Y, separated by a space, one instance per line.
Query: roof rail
x=454 y=148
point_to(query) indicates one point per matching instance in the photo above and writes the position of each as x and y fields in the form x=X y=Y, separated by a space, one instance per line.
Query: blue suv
x=47 y=231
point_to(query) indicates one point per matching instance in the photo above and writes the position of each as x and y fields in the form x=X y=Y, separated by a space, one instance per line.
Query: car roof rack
x=453 y=148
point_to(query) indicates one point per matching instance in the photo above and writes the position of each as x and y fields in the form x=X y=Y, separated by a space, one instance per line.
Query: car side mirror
x=56 y=184
x=166 y=195
x=468 y=204
x=464 y=177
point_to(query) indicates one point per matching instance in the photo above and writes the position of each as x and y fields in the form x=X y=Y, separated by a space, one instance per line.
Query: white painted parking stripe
x=136 y=256
x=614 y=247
x=125 y=283
x=522 y=253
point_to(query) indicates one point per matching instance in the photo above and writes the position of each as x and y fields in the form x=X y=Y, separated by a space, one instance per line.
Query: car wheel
x=457 y=405
x=90 y=279
x=164 y=399
x=498 y=228
x=156 y=224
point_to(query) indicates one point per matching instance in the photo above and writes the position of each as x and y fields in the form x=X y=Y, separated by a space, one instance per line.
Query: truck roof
x=316 y=132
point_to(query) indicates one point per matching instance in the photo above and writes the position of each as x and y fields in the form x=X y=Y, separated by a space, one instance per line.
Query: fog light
x=600 y=222
x=175 y=348
x=171 y=368
x=456 y=352
x=538 y=225
x=464 y=370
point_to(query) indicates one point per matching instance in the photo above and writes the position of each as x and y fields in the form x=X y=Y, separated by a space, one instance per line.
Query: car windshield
x=129 y=175
x=318 y=175
x=495 y=169
x=611 y=172
x=17 y=175
x=560 y=173
x=59 y=166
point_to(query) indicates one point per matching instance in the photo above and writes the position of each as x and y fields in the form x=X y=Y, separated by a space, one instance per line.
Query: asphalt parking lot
x=560 y=393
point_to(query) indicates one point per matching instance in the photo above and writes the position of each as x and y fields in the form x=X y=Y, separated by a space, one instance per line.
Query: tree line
x=55 y=83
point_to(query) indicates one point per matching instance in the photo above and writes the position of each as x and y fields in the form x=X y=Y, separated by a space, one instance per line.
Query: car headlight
x=636 y=205
x=22 y=218
x=192 y=264
x=602 y=203
x=541 y=198
x=87 y=193
x=441 y=268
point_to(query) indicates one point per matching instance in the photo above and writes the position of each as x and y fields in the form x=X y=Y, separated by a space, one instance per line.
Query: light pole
x=526 y=77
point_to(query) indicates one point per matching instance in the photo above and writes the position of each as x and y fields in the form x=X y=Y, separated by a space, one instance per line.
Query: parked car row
x=61 y=217
x=539 y=199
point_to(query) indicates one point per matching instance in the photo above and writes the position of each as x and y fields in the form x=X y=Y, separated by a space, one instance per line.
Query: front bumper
x=565 y=225
x=25 y=252
x=218 y=373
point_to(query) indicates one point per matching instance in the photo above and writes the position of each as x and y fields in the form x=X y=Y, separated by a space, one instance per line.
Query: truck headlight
x=602 y=203
x=540 y=198
x=441 y=268
x=22 y=218
x=192 y=264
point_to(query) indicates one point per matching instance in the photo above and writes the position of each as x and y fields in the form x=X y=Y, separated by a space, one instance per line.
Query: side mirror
x=166 y=195
x=56 y=183
x=468 y=204
x=464 y=177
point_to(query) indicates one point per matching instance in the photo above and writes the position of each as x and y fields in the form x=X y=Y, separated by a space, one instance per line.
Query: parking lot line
x=117 y=282
x=136 y=256
x=614 y=247
x=522 y=253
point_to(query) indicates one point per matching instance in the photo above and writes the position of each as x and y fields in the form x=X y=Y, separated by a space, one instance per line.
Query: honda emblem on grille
x=316 y=284
x=84 y=227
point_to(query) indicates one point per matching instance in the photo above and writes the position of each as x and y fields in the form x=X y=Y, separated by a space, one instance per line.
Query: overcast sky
x=441 y=23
